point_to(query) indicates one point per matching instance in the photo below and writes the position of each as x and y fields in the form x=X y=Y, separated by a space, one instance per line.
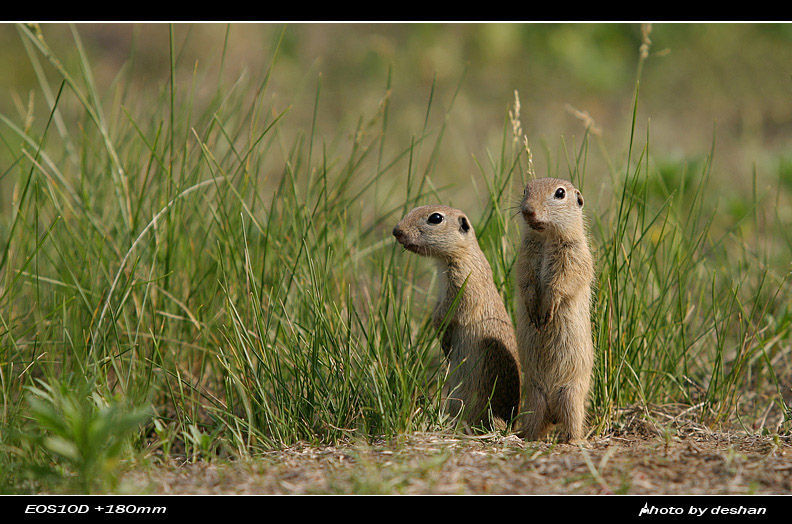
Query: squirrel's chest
x=536 y=264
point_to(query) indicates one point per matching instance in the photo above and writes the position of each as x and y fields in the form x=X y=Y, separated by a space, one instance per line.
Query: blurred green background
x=730 y=80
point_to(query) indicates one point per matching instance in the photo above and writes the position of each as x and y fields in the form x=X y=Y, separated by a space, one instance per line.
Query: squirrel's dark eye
x=560 y=193
x=435 y=218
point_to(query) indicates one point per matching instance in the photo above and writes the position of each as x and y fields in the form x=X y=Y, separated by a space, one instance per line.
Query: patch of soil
x=633 y=460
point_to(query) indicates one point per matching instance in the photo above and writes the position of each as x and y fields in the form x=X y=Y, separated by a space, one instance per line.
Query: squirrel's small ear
x=463 y=224
x=579 y=199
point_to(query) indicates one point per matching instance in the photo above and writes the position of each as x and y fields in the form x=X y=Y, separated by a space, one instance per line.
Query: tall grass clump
x=687 y=309
x=190 y=248
x=676 y=320
x=189 y=254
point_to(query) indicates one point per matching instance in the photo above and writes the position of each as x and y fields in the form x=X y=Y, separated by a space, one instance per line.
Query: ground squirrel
x=554 y=274
x=478 y=342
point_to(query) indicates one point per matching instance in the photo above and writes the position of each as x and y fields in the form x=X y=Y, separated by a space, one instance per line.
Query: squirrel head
x=552 y=206
x=436 y=231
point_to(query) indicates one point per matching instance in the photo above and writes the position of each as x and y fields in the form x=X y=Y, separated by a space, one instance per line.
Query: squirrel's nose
x=528 y=213
x=397 y=232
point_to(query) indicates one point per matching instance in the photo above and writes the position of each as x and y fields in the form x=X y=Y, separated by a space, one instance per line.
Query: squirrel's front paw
x=547 y=311
x=534 y=317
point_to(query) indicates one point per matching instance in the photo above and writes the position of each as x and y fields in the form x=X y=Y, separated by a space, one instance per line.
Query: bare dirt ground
x=639 y=459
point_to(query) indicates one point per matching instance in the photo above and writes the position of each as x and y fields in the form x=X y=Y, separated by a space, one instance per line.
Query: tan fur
x=554 y=273
x=478 y=342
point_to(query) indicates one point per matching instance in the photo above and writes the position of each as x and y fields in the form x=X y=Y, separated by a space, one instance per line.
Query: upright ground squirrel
x=554 y=274
x=479 y=342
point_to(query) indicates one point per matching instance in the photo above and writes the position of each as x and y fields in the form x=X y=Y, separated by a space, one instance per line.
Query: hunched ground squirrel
x=478 y=342
x=554 y=274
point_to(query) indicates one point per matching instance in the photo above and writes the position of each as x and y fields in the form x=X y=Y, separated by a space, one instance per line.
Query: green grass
x=184 y=249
